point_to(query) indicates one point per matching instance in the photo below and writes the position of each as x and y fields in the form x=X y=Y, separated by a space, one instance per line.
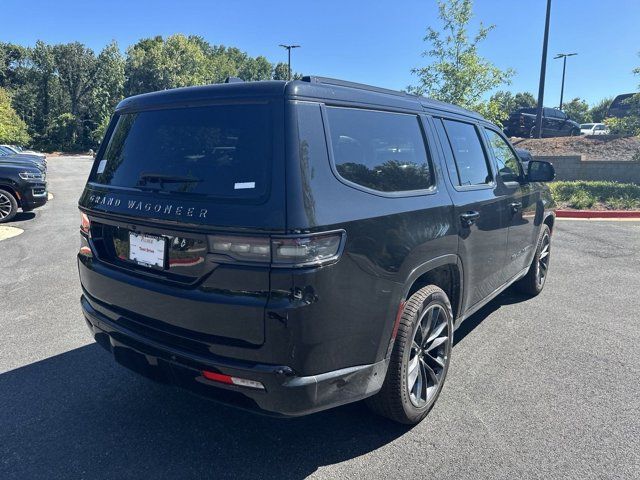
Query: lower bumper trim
x=285 y=394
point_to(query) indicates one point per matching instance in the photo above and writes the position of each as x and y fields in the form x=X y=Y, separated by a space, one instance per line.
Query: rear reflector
x=229 y=380
x=397 y=322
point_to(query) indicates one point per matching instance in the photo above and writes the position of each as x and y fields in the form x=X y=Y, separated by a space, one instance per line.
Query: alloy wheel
x=428 y=356
x=543 y=260
x=5 y=206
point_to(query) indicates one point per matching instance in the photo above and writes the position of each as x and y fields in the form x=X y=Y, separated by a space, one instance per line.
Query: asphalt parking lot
x=542 y=388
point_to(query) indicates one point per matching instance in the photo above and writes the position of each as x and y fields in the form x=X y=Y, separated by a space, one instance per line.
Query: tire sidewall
x=547 y=232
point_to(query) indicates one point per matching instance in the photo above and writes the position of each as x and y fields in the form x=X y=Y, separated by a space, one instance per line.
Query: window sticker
x=101 y=165
x=244 y=185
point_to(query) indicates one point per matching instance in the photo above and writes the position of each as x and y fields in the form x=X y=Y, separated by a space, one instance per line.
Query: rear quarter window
x=382 y=151
x=217 y=151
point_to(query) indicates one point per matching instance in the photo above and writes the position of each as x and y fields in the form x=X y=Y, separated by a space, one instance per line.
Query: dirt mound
x=593 y=147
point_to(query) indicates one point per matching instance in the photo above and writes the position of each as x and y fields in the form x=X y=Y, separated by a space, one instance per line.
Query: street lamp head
x=563 y=55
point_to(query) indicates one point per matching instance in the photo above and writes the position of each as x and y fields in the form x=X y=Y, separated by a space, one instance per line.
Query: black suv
x=293 y=246
x=555 y=123
x=22 y=185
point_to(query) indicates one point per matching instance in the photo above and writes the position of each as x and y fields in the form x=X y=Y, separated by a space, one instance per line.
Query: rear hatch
x=165 y=184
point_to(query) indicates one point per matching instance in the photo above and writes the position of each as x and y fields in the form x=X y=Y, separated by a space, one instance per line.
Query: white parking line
x=9 y=232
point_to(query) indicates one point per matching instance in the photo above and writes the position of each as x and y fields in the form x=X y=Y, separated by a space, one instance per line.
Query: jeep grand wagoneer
x=293 y=246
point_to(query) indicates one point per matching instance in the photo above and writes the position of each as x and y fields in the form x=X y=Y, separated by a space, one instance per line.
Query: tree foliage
x=66 y=93
x=599 y=111
x=502 y=103
x=13 y=130
x=456 y=72
x=577 y=110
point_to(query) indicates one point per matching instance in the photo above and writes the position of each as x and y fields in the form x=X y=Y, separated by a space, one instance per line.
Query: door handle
x=469 y=218
x=515 y=207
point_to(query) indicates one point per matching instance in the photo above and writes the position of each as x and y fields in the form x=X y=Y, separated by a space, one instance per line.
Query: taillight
x=522 y=120
x=317 y=249
x=280 y=251
x=85 y=229
x=85 y=224
x=252 y=249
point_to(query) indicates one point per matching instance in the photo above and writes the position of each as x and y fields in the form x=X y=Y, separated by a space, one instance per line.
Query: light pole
x=564 y=68
x=289 y=47
x=543 y=70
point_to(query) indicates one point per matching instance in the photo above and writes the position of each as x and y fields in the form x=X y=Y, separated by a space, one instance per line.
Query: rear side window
x=379 y=150
x=219 y=151
x=469 y=156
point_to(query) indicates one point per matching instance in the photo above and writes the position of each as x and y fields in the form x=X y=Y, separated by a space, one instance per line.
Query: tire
x=533 y=282
x=8 y=206
x=574 y=133
x=419 y=363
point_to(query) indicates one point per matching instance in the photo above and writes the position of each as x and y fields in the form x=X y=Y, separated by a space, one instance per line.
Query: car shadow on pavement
x=80 y=415
x=22 y=217
x=508 y=297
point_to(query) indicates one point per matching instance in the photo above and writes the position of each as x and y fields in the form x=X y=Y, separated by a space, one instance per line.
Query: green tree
x=158 y=64
x=577 y=110
x=281 y=72
x=11 y=58
x=13 y=130
x=457 y=73
x=78 y=70
x=502 y=103
x=599 y=111
x=525 y=100
x=108 y=90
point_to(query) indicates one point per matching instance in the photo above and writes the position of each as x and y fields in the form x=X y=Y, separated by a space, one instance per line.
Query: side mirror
x=540 y=171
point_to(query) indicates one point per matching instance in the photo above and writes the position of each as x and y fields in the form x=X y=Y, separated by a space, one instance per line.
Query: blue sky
x=375 y=41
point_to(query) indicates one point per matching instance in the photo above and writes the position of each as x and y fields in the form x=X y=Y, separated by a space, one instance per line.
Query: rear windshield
x=219 y=151
x=587 y=126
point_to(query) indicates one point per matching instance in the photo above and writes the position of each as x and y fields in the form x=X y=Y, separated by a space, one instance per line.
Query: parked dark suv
x=293 y=246
x=555 y=123
x=21 y=186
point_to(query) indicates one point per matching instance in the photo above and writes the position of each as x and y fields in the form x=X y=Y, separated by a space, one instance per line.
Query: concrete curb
x=598 y=214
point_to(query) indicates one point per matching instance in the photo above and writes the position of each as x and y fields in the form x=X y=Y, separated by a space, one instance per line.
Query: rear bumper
x=285 y=393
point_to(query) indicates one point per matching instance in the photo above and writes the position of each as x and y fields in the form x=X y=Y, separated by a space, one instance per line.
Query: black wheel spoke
x=434 y=360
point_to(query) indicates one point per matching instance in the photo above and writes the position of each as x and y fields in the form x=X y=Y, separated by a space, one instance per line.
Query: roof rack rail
x=344 y=83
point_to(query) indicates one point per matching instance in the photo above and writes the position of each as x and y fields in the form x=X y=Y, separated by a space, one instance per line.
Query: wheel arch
x=445 y=272
x=549 y=221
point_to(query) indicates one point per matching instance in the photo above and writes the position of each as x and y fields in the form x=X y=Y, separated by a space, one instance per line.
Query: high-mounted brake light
x=229 y=380
x=281 y=251
x=85 y=223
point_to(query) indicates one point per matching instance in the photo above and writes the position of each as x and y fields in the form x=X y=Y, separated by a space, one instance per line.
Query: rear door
x=483 y=223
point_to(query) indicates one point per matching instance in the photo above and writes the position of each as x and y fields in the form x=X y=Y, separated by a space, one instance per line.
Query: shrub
x=624 y=126
x=584 y=195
